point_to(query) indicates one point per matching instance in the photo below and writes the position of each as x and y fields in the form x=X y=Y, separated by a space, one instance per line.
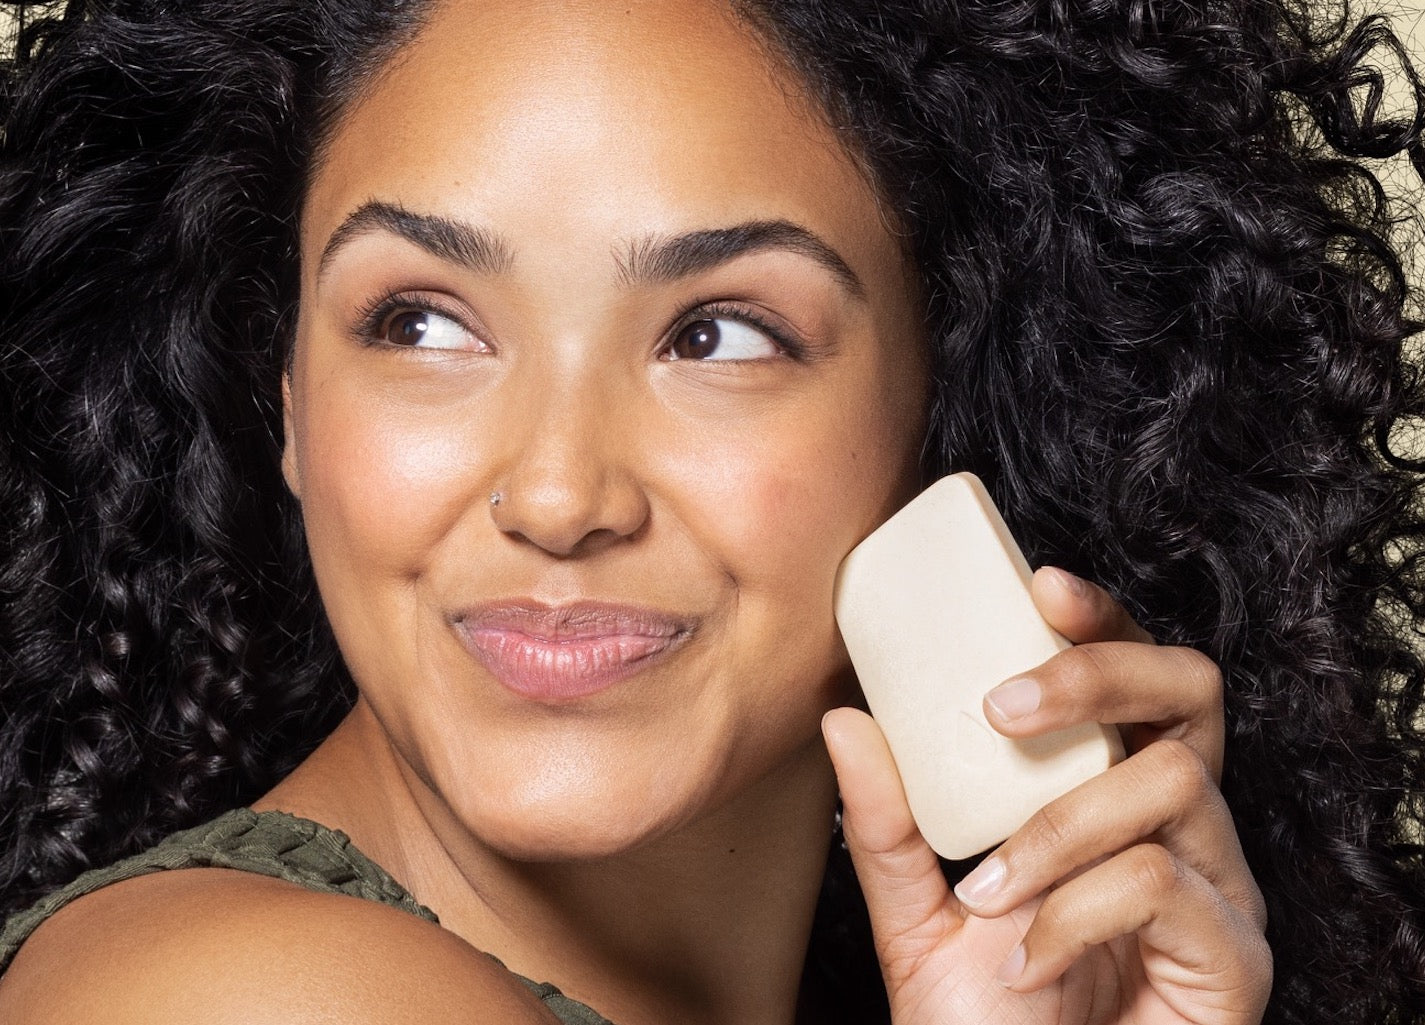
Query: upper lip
x=572 y=621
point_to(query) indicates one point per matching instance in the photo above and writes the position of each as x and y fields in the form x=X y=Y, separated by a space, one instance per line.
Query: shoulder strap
x=274 y=844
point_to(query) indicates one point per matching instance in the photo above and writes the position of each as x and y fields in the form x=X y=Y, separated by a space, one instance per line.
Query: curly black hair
x=1170 y=332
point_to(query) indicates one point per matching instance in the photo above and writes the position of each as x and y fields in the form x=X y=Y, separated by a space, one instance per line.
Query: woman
x=564 y=350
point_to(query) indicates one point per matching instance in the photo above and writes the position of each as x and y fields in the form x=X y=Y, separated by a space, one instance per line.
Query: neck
x=707 y=924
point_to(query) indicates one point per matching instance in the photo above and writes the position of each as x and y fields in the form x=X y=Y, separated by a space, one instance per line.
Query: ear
x=289 y=440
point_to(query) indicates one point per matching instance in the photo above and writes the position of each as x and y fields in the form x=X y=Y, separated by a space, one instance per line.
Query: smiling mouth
x=560 y=653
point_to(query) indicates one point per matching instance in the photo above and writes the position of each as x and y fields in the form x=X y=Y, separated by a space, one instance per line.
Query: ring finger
x=1164 y=794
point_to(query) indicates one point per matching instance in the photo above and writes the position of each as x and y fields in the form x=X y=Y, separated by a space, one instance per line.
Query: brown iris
x=697 y=340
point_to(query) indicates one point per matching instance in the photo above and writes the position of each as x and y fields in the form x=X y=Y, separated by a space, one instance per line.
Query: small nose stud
x=496 y=497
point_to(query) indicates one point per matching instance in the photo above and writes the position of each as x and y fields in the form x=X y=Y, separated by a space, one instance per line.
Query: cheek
x=382 y=481
x=798 y=508
x=780 y=503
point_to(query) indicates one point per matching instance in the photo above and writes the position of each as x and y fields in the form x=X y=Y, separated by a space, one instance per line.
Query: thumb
x=912 y=908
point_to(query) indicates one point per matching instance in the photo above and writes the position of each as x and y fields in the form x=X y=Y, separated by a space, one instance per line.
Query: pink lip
x=561 y=652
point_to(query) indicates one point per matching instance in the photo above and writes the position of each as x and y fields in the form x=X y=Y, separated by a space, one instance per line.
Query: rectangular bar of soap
x=935 y=610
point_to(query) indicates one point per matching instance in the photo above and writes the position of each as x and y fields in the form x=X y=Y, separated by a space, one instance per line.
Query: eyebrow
x=656 y=259
x=473 y=248
x=662 y=259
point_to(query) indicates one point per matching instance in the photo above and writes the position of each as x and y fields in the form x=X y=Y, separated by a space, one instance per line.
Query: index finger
x=1082 y=611
x=1156 y=692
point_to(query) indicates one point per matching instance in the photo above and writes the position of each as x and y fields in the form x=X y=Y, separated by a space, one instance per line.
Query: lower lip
x=552 y=671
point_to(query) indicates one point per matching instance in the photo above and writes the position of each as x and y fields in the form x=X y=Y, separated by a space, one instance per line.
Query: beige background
x=1408 y=17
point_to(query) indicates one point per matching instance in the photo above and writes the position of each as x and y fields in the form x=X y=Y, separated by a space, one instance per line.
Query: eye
x=721 y=338
x=425 y=329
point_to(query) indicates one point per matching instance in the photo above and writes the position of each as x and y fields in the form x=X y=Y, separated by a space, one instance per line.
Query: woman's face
x=600 y=259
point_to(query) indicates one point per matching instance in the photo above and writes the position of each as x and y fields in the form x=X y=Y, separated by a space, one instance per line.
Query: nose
x=571 y=485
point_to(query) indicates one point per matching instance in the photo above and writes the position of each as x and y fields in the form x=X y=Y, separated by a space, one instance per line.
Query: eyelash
x=710 y=309
x=372 y=314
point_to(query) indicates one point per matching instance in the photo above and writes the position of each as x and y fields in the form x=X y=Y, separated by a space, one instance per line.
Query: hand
x=1127 y=900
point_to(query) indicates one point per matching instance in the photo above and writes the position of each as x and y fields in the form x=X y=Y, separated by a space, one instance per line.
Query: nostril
x=569 y=515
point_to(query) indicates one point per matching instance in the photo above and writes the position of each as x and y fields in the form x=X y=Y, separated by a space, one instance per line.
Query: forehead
x=621 y=118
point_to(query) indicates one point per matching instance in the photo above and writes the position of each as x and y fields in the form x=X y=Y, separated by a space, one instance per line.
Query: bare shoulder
x=223 y=947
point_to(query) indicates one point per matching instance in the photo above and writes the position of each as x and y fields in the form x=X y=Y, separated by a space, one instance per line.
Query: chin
x=569 y=810
x=567 y=832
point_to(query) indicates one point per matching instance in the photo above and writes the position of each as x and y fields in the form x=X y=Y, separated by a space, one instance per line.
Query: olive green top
x=270 y=843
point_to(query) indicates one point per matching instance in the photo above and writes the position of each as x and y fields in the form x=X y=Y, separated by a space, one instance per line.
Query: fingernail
x=1015 y=699
x=1013 y=967
x=981 y=884
x=1075 y=584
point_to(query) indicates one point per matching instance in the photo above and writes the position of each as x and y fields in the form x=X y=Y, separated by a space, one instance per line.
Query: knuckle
x=1256 y=911
x=1202 y=675
x=1153 y=870
x=893 y=846
x=1077 y=673
x=1182 y=773
x=902 y=955
x=1048 y=828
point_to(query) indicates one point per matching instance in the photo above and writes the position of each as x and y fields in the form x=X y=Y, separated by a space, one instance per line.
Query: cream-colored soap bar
x=935 y=610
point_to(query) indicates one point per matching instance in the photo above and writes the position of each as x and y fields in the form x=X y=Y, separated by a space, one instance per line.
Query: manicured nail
x=1075 y=584
x=1013 y=967
x=1015 y=699
x=981 y=884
